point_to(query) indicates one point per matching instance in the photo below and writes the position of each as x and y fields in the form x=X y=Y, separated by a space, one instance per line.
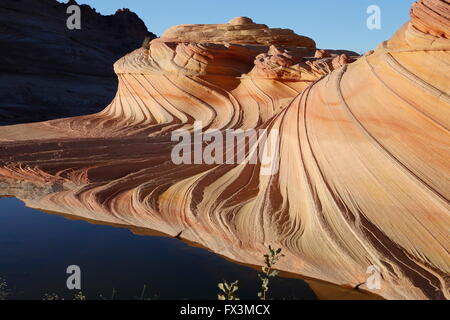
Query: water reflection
x=37 y=247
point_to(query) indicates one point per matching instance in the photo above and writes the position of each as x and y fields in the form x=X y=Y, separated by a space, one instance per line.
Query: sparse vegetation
x=79 y=296
x=4 y=291
x=228 y=290
x=270 y=260
x=51 y=296
x=268 y=271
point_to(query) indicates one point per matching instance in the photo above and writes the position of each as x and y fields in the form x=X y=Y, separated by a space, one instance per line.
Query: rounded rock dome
x=241 y=21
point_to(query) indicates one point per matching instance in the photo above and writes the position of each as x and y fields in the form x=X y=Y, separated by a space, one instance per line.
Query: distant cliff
x=48 y=71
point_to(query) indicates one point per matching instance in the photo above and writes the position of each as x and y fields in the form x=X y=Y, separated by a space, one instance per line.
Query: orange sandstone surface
x=363 y=161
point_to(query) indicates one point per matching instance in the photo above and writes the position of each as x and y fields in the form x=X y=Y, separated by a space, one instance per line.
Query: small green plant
x=3 y=289
x=270 y=260
x=51 y=296
x=228 y=290
x=79 y=296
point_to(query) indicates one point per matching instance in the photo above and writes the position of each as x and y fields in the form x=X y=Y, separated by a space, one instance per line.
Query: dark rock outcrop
x=48 y=71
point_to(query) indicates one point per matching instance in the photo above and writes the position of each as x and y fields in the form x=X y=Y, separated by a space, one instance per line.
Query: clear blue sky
x=333 y=24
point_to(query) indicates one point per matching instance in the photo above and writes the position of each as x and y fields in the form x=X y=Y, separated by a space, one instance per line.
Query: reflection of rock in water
x=321 y=289
x=363 y=176
x=48 y=71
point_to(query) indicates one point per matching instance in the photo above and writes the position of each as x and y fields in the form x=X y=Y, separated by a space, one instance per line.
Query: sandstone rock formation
x=363 y=153
x=432 y=17
x=48 y=71
x=238 y=30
